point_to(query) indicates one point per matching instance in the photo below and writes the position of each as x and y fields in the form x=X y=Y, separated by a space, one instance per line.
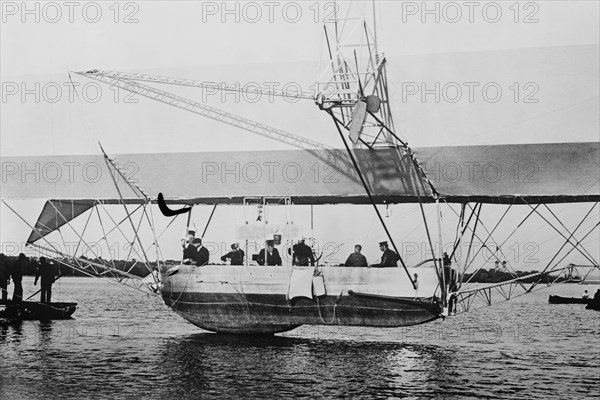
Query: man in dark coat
x=202 y=254
x=389 y=258
x=4 y=276
x=17 y=277
x=189 y=250
x=270 y=255
x=236 y=255
x=302 y=254
x=356 y=259
x=48 y=274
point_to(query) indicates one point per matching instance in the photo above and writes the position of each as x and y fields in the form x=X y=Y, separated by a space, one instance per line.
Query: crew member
x=17 y=277
x=416 y=281
x=236 y=255
x=446 y=260
x=270 y=255
x=4 y=276
x=389 y=258
x=303 y=254
x=48 y=275
x=356 y=259
x=189 y=250
x=202 y=254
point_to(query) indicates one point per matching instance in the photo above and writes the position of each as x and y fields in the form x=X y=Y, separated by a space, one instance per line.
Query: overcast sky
x=237 y=43
x=549 y=49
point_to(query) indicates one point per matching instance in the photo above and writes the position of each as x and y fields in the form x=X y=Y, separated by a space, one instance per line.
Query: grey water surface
x=123 y=344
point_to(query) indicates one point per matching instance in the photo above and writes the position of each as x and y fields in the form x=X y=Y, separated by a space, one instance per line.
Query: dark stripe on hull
x=272 y=313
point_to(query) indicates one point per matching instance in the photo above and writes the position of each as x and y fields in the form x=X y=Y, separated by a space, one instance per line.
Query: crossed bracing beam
x=466 y=298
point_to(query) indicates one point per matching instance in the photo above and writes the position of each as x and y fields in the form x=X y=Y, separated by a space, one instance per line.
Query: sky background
x=548 y=49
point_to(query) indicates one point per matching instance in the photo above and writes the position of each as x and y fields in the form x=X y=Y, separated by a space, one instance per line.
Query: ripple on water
x=124 y=345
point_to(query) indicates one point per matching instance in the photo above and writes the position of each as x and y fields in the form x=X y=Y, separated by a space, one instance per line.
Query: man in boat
x=48 y=275
x=236 y=255
x=202 y=254
x=4 y=276
x=356 y=259
x=302 y=254
x=189 y=250
x=17 y=277
x=270 y=255
x=389 y=258
x=585 y=295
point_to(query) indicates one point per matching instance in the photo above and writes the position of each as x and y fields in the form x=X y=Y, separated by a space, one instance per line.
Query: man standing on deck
x=270 y=255
x=302 y=254
x=356 y=259
x=17 y=277
x=189 y=250
x=389 y=258
x=202 y=254
x=4 y=276
x=48 y=275
x=236 y=255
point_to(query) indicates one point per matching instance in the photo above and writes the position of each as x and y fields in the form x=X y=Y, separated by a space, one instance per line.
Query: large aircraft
x=374 y=167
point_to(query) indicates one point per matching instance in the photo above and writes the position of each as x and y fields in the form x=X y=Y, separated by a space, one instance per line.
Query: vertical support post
x=372 y=200
x=444 y=284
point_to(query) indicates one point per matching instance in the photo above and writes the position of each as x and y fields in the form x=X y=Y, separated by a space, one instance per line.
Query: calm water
x=123 y=343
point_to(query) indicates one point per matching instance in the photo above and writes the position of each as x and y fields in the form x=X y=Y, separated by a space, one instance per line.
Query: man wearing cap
x=389 y=258
x=236 y=255
x=189 y=250
x=272 y=255
x=202 y=254
x=48 y=274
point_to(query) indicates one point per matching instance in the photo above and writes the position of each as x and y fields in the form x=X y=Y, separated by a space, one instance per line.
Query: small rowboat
x=33 y=310
x=568 y=300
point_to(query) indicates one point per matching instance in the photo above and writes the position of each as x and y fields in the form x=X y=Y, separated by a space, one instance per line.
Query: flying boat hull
x=265 y=300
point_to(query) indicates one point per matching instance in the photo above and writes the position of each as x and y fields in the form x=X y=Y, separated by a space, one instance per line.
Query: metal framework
x=465 y=298
x=353 y=91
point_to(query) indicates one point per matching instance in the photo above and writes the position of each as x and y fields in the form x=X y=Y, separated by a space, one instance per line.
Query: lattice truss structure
x=88 y=255
x=471 y=229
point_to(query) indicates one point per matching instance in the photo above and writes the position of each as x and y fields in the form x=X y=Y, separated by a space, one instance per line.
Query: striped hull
x=253 y=300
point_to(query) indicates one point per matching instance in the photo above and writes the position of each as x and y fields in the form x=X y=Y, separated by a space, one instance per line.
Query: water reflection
x=230 y=366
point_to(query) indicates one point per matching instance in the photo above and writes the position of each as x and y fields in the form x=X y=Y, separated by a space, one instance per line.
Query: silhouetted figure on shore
x=416 y=282
x=4 y=276
x=48 y=276
x=17 y=277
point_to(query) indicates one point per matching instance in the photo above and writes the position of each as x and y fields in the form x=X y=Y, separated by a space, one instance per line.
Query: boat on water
x=553 y=299
x=272 y=299
x=373 y=166
x=33 y=310
x=575 y=279
x=594 y=304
